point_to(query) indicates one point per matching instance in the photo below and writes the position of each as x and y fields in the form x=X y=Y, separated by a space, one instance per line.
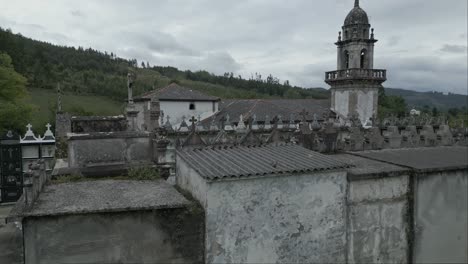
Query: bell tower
x=355 y=84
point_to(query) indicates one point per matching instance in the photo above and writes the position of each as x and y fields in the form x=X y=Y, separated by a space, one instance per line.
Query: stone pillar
x=62 y=125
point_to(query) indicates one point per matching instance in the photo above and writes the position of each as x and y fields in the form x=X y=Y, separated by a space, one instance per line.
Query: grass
x=44 y=101
x=140 y=173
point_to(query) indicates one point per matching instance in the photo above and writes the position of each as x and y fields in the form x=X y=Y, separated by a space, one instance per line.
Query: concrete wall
x=163 y=236
x=298 y=218
x=378 y=220
x=363 y=101
x=176 y=110
x=126 y=148
x=441 y=217
x=188 y=179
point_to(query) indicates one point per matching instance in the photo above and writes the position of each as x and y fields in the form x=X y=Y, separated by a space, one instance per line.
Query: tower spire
x=356 y=3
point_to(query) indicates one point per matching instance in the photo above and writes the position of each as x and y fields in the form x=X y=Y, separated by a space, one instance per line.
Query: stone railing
x=352 y=74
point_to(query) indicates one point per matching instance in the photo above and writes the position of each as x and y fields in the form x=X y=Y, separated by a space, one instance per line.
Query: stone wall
x=441 y=217
x=378 y=220
x=109 y=149
x=91 y=124
x=162 y=236
x=294 y=218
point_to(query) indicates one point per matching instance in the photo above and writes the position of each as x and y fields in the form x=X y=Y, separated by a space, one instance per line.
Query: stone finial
x=292 y=124
x=339 y=36
x=254 y=123
x=183 y=126
x=213 y=126
x=356 y=3
x=241 y=125
x=279 y=122
x=315 y=124
x=228 y=126
x=372 y=33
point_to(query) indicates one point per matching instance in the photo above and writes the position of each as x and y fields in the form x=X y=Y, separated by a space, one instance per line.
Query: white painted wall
x=341 y=102
x=177 y=109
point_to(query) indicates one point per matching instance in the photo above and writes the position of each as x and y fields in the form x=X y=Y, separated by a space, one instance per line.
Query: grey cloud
x=454 y=48
x=77 y=13
x=291 y=40
x=393 y=41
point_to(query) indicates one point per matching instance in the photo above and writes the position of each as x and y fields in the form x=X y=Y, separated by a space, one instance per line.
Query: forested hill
x=430 y=99
x=87 y=71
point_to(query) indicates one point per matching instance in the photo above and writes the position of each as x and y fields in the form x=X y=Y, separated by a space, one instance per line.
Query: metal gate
x=11 y=177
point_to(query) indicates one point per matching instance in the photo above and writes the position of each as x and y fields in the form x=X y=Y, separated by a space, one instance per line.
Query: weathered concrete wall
x=441 y=217
x=188 y=179
x=164 y=236
x=378 y=220
x=362 y=101
x=293 y=218
x=95 y=149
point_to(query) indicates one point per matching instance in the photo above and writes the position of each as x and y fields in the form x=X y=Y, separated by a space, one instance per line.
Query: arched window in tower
x=346 y=35
x=363 y=58
x=346 y=59
x=364 y=33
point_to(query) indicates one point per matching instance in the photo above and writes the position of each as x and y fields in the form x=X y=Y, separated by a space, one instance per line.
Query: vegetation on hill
x=13 y=111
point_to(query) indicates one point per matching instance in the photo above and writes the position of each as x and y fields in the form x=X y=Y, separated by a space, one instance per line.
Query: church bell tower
x=355 y=85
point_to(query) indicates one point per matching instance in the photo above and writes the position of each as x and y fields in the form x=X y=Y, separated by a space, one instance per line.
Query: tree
x=14 y=113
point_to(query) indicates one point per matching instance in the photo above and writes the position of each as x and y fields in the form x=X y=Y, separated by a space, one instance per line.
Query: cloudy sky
x=422 y=43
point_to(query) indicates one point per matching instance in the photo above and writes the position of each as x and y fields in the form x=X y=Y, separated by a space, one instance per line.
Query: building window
x=363 y=58
x=192 y=106
x=346 y=55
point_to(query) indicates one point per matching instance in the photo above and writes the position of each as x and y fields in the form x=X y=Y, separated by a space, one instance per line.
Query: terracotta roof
x=175 y=92
x=239 y=161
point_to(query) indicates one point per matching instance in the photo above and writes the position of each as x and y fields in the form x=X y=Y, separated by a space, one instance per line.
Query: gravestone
x=392 y=137
x=427 y=136
x=410 y=137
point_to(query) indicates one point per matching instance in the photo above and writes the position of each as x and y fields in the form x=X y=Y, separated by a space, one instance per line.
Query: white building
x=175 y=102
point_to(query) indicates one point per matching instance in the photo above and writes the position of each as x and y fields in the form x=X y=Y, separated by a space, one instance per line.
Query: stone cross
x=130 y=80
x=10 y=150
x=29 y=126
x=193 y=120
x=223 y=121
x=48 y=126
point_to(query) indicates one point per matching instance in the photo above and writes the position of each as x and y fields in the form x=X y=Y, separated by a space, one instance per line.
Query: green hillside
x=44 y=104
x=430 y=99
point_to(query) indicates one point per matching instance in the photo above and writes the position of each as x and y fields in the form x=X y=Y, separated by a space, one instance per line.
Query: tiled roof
x=237 y=161
x=271 y=107
x=175 y=92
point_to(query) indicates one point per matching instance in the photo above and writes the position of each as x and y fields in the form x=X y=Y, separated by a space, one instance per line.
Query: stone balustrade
x=353 y=74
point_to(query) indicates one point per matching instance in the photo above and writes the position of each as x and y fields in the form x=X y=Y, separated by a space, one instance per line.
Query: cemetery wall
x=378 y=220
x=109 y=148
x=289 y=218
x=441 y=217
x=161 y=236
